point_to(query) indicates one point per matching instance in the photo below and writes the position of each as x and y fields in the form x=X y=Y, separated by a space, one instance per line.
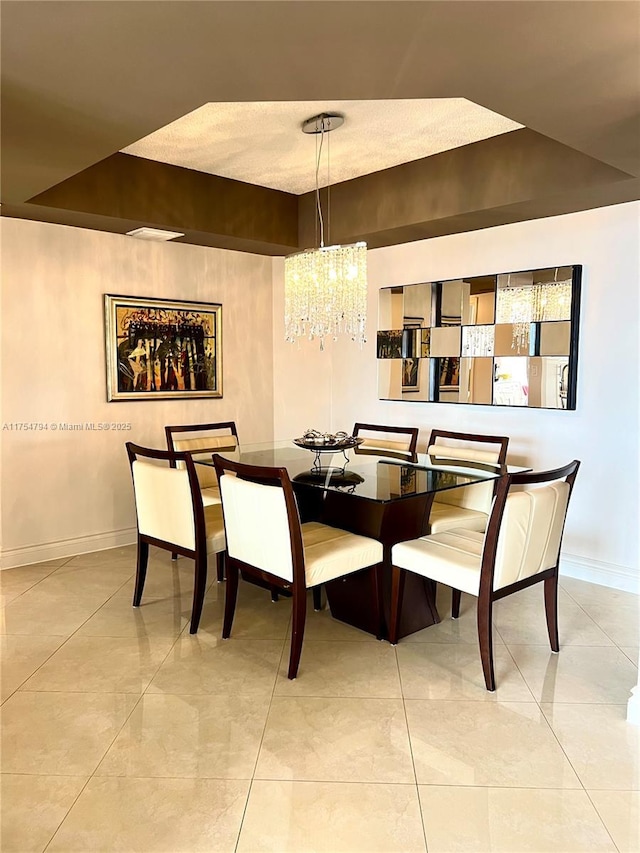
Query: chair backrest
x=168 y=500
x=525 y=529
x=222 y=436
x=261 y=520
x=445 y=444
x=389 y=440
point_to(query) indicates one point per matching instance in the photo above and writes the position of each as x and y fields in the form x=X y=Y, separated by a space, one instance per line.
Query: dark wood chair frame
x=170 y=430
x=198 y=555
x=412 y=432
x=297 y=587
x=169 y=433
x=487 y=595
x=503 y=441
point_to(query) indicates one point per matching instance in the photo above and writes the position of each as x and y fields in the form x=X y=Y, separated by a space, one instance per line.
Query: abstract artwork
x=159 y=349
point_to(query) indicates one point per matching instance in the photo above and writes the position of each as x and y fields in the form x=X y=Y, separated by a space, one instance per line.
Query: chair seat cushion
x=451 y=558
x=214 y=523
x=330 y=552
x=445 y=517
x=211 y=496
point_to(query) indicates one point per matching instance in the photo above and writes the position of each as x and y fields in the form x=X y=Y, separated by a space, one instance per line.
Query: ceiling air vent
x=153 y=234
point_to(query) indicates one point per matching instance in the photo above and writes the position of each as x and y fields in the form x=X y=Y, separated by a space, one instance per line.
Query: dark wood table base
x=350 y=598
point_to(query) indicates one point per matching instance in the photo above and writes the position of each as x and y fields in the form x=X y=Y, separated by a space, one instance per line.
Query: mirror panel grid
x=509 y=339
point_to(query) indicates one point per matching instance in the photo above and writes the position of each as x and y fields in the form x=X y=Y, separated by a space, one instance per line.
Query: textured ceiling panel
x=262 y=143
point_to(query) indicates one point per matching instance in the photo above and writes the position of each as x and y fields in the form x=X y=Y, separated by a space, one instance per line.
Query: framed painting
x=161 y=349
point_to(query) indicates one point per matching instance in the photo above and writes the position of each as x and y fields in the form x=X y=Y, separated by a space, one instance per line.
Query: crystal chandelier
x=325 y=289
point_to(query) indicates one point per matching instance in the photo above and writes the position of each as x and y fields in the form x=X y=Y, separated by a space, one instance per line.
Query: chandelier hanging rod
x=321 y=124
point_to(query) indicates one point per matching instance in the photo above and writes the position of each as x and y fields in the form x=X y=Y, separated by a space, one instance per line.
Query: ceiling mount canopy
x=323 y=123
x=325 y=289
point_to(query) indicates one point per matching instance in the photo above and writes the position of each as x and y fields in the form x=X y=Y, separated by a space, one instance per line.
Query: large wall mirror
x=509 y=339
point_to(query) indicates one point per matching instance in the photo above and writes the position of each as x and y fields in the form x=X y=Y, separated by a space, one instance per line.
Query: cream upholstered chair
x=220 y=436
x=399 y=442
x=467 y=506
x=266 y=540
x=521 y=547
x=171 y=515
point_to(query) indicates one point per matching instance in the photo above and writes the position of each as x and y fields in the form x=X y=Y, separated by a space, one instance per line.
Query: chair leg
x=274 y=595
x=551 y=610
x=455 y=603
x=485 y=639
x=220 y=566
x=174 y=557
x=230 y=598
x=397 y=592
x=199 y=587
x=141 y=571
x=297 y=628
x=317 y=597
x=376 y=588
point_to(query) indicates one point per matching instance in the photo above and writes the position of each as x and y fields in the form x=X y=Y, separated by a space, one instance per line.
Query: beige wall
x=69 y=492
x=601 y=540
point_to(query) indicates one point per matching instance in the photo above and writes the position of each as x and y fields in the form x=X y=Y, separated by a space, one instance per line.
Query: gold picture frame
x=162 y=349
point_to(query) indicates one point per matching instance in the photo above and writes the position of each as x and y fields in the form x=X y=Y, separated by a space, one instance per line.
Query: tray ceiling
x=262 y=143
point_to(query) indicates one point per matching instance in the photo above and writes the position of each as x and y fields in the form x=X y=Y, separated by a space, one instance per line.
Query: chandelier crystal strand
x=325 y=289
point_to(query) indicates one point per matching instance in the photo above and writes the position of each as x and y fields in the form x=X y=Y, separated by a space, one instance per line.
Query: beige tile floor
x=120 y=731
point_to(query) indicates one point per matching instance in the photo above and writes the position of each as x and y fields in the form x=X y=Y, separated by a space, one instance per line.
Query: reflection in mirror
x=403 y=379
x=416 y=305
x=554 y=338
x=390 y=379
x=479 y=300
x=534 y=296
x=449 y=380
x=451 y=303
x=390 y=310
x=511 y=382
x=535 y=382
x=445 y=342
x=411 y=343
x=512 y=339
x=425 y=343
x=478 y=340
x=476 y=380
x=548 y=382
x=390 y=343
x=415 y=379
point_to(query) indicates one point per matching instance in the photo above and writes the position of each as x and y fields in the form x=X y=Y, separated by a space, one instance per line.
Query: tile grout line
x=413 y=763
x=264 y=729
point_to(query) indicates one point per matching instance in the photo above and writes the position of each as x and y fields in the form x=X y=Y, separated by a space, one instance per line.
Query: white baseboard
x=13 y=557
x=595 y=571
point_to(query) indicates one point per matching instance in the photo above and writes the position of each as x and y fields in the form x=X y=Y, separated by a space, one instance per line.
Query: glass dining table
x=387 y=497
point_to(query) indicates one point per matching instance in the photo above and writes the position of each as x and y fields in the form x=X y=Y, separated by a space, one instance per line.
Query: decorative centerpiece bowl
x=313 y=439
x=327 y=442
